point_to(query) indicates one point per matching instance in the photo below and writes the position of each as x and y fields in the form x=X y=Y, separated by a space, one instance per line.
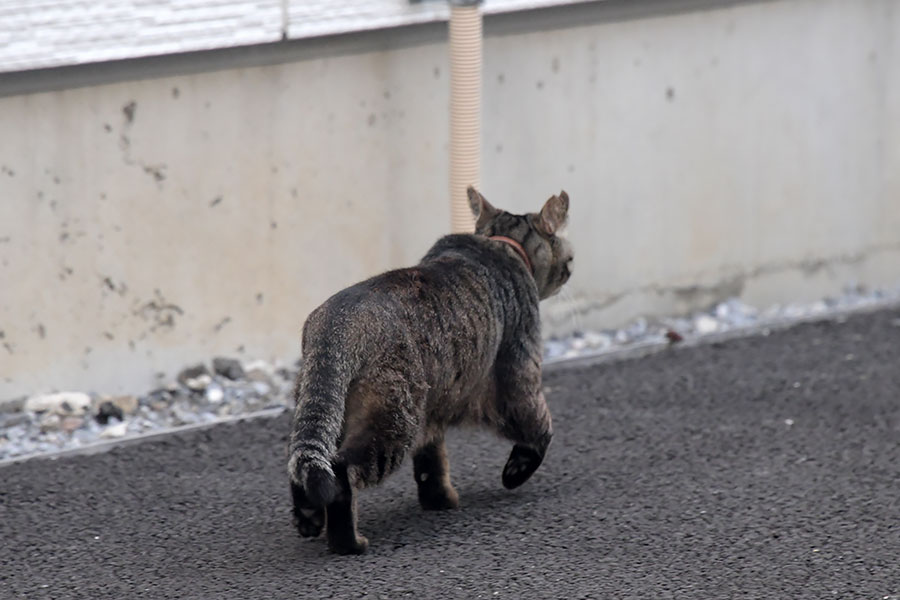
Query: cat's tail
x=318 y=423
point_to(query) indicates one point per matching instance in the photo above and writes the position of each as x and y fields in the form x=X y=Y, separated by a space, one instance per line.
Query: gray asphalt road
x=764 y=467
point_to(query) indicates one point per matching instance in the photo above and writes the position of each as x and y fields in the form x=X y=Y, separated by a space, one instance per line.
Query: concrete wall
x=174 y=210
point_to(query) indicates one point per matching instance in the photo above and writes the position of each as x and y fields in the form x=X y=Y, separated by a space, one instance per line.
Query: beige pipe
x=465 y=110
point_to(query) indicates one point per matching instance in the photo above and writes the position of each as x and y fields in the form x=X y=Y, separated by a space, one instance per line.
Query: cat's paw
x=356 y=546
x=438 y=498
x=522 y=463
x=309 y=521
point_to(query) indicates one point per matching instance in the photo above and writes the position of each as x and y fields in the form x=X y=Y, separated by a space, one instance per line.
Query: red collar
x=515 y=246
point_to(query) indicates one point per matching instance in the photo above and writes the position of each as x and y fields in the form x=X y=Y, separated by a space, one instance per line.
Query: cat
x=390 y=363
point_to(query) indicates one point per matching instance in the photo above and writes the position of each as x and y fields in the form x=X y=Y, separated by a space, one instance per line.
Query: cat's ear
x=554 y=214
x=481 y=208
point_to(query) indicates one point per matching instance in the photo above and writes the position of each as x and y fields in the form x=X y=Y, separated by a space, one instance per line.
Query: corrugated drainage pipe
x=465 y=109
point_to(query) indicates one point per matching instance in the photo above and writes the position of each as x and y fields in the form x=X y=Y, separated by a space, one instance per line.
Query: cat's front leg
x=524 y=418
x=532 y=434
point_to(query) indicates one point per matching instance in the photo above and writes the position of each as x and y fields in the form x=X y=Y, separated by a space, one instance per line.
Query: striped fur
x=318 y=423
x=391 y=362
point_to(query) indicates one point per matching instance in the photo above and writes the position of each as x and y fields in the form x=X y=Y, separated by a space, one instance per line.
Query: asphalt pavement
x=760 y=467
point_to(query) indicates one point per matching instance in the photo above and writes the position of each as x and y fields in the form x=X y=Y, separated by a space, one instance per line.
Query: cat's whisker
x=569 y=303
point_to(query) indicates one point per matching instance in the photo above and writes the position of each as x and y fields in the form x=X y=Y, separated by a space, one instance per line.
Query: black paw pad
x=308 y=519
x=309 y=522
x=438 y=498
x=356 y=546
x=522 y=463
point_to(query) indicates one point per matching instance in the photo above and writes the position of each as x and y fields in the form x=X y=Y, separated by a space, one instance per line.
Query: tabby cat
x=391 y=362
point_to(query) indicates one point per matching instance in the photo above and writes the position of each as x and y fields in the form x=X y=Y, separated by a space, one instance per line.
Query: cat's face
x=538 y=233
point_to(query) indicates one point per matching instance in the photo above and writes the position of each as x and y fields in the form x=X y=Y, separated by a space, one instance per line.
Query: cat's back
x=454 y=285
x=455 y=262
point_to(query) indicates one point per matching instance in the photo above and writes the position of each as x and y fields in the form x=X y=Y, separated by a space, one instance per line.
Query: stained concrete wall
x=156 y=213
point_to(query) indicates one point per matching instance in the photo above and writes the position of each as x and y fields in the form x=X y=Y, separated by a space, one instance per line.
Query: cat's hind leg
x=373 y=447
x=361 y=462
x=308 y=519
x=432 y=472
x=341 y=516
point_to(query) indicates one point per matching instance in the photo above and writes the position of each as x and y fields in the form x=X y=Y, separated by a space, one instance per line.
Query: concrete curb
x=631 y=352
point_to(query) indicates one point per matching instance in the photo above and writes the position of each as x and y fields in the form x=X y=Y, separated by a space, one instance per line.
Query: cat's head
x=538 y=234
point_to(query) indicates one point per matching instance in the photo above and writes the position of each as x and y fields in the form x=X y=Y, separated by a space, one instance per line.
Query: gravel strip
x=64 y=421
x=52 y=423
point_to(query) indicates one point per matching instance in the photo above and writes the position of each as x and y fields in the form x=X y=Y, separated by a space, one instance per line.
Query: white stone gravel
x=730 y=315
x=62 y=421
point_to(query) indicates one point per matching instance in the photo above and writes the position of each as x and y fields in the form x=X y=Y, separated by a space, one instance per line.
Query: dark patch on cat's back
x=412 y=281
x=347 y=298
